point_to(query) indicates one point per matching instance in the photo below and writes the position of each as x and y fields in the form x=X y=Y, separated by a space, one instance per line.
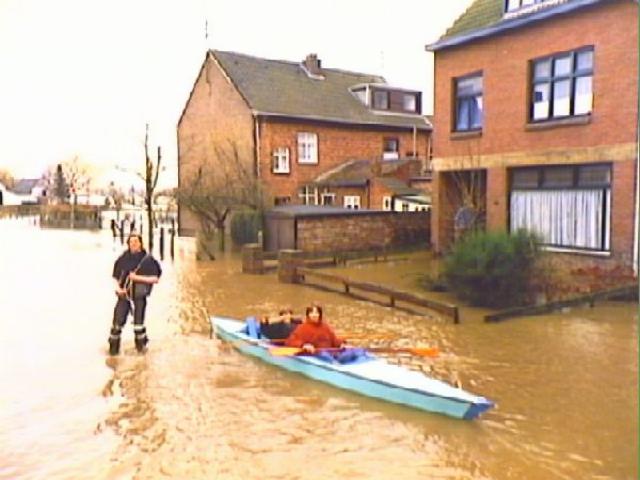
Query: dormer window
x=381 y=100
x=361 y=93
x=409 y=102
x=521 y=5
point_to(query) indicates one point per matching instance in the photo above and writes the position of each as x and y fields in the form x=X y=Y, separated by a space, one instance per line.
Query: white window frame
x=281 y=163
x=308 y=148
x=308 y=194
x=351 y=201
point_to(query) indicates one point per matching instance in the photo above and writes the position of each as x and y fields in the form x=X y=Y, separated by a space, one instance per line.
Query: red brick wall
x=216 y=116
x=336 y=145
x=612 y=29
x=362 y=231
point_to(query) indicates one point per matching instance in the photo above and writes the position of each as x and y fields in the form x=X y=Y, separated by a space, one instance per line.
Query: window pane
x=469 y=86
x=584 y=60
x=583 y=96
x=409 y=102
x=542 y=69
x=562 y=65
x=594 y=175
x=561 y=98
x=513 y=5
x=525 y=178
x=557 y=177
x=541 y=101
x=381 y=100
x=476 y=112
x=390 y=144
x=462 y=122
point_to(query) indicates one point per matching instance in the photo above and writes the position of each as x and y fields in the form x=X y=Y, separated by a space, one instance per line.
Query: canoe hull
x=375 y=378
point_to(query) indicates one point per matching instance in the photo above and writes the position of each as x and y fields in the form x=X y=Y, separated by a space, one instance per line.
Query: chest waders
x=129 y=303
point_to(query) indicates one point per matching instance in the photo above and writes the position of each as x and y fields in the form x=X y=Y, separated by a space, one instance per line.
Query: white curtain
x=566 y=218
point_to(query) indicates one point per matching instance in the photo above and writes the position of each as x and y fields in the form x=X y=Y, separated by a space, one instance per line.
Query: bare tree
x=68 y=178
x=6 y=178
x=218 y=188
x=466 y=193
x=151 y=174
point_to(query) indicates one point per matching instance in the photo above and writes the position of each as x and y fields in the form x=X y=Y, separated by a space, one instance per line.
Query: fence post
x=288 y=263
x=252 y=259
x=161 y=243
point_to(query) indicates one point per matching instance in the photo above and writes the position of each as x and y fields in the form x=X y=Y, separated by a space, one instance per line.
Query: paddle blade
x=284 y=351
x=425 y=352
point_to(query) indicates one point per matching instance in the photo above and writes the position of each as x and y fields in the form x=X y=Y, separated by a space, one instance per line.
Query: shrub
x=245 y=226
x=492 y=269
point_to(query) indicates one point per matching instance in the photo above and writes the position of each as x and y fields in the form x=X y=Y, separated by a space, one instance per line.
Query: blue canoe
x=373 y=377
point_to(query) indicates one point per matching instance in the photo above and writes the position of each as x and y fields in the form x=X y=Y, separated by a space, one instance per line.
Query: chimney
x=312 y=64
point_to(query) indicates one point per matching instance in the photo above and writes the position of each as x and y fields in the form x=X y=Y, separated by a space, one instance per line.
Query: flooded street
x=566 y=385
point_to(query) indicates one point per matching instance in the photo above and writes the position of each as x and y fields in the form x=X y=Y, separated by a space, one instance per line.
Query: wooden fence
x=394 y=296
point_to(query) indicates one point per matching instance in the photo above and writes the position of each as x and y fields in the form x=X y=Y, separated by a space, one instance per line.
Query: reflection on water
x=193 y=407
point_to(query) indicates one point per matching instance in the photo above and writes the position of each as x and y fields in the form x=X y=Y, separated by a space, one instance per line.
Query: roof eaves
x=508 y=25
x=408 y=125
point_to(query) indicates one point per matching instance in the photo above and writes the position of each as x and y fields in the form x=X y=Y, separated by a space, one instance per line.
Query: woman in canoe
x=314 y=333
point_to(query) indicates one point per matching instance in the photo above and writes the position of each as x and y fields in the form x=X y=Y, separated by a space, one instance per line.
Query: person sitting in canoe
x=280 y=327
x=313 y=333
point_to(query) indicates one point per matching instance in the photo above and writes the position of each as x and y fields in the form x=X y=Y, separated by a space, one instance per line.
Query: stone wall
x=362 y=231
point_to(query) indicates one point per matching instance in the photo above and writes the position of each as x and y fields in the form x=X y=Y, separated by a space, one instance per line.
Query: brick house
x=536 y=102
x=292 y=122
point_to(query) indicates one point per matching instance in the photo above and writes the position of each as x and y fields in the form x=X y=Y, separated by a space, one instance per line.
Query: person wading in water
x=135 y=272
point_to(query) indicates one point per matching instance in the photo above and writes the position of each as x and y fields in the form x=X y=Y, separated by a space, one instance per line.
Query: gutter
x=407 y=126
x=505 y=26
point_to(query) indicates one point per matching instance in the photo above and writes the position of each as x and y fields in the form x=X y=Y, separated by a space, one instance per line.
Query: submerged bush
x=492 y=269
x=245 y=226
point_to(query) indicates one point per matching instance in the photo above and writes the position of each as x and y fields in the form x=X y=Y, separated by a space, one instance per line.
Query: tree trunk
x=205 y=245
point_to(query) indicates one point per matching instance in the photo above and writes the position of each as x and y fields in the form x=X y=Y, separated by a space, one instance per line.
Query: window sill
x=563 y=122
x=278 y=172
x=465 y=135
x=576 y=251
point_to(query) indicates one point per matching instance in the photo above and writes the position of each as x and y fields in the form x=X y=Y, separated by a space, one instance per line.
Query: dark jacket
x=128 y=262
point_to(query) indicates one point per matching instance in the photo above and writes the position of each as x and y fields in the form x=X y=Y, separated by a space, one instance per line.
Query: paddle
x=419 y=351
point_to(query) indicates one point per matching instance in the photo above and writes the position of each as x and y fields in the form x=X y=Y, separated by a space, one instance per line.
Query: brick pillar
x=288 y=262
x=497 y=199
x=252 y=261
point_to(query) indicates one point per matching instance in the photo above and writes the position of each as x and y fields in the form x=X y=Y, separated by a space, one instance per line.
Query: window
x=381 y=100
x=567 y=206
x=352 y=201
x=469 y=109
x=390 y=149
x=361 y=93
x=513 y=5
x=308 y=195
x=386 y=203
x=282 y=201
x=562 y=85
x=327 y=198
x=281 y=160
x=307 y=147
x=409 y=102
x=405 y=207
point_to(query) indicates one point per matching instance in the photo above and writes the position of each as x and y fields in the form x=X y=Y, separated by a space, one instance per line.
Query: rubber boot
x=114 y=341
x=141 y=339
x=114 y=346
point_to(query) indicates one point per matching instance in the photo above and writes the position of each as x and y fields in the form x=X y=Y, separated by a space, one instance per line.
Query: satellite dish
x=465 y=218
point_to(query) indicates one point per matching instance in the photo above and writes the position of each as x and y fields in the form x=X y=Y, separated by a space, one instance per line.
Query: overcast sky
x=82 y=77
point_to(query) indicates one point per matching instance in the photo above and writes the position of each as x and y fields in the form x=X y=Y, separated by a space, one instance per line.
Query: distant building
x=538 y=102
x=295 y=121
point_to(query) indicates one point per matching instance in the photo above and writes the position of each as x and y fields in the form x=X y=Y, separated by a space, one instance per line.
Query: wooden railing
x=393 y=295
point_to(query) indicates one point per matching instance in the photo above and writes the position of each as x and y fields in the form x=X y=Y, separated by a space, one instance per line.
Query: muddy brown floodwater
x=193 y=408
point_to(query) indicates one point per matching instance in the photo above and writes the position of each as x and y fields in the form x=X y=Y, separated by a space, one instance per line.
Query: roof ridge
x=291 y=62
